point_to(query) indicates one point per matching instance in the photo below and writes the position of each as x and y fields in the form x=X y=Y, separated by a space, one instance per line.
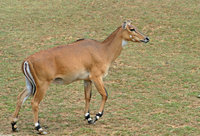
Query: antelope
x=84 y=59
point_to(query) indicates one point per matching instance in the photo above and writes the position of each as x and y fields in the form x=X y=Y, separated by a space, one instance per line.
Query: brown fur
x=85 y=59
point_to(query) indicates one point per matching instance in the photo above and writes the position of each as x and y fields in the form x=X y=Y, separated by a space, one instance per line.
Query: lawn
x=152 y=87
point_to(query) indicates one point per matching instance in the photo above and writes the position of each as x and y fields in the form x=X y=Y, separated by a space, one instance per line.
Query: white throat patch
x=124 y=42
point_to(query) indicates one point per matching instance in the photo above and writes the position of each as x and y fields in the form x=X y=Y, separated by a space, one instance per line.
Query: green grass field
x=152 y=87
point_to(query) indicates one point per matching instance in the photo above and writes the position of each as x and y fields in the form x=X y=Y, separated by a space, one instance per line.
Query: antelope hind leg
x=20 y=100
x=39 y=95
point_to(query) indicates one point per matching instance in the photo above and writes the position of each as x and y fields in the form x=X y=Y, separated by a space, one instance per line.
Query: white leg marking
x=86 y=114
x=37 y=124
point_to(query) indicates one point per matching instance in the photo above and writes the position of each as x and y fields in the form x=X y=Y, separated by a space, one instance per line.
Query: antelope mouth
x=146 y=40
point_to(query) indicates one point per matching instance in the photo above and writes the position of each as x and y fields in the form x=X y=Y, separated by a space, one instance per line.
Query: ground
x=152 y=87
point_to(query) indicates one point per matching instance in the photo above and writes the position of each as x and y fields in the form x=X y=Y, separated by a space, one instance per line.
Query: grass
x=152 y=87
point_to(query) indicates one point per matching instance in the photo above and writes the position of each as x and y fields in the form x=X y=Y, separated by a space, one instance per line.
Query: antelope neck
x=113 y=45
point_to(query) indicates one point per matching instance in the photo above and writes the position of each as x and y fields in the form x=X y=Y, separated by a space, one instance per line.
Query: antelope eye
x=132 y=29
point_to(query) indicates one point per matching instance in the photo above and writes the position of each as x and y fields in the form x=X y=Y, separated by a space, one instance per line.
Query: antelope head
x=131 y=33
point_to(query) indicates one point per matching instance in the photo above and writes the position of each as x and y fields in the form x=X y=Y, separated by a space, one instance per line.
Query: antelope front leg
x=88 y=94
x=101 y=89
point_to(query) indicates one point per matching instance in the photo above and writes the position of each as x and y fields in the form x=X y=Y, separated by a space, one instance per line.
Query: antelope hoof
x=88 y=118
x=42 y=132
x=98 y=115
x=90 y=122
x=94 y=121
x=15 y=130
x=14 y=127
x=39 y=129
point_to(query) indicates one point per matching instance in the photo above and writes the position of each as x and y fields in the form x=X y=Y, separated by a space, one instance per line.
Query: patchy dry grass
x=152 y=88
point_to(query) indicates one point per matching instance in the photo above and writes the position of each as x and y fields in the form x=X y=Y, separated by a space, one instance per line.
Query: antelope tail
x=30 y=82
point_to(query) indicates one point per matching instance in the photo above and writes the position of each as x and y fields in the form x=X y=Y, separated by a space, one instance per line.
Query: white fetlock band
x=37 y=124
x=86 y=114
x=97 y=117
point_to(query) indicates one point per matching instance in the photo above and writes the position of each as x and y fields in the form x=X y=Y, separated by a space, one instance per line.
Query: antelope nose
x=146 y=40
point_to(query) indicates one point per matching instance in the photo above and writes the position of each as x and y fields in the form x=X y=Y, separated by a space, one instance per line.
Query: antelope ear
x=126 y=23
